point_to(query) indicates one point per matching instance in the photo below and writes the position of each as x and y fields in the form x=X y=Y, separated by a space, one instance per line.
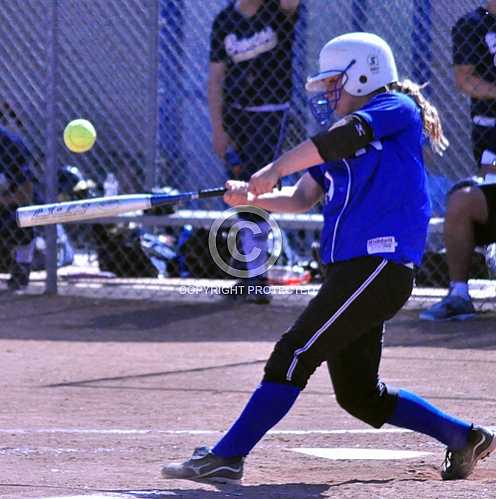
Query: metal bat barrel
x=88 y=209
x=73 y=211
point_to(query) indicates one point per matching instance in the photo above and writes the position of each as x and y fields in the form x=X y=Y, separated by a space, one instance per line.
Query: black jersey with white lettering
x=257 y=52
x=474 y=43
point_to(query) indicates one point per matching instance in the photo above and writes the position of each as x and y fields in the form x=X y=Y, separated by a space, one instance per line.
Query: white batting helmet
x=365 y=60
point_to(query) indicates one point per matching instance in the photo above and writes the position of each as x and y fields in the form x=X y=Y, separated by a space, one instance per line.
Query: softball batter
x=368 y=169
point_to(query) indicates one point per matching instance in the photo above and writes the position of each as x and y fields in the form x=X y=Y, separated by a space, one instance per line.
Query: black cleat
x=459 y=464
x=205 y=466
x=19 y=277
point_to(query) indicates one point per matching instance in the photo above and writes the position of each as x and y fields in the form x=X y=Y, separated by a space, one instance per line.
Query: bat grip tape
x=211 y=193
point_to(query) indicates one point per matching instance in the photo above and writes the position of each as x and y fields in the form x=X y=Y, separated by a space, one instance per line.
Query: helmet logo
x=373 y=62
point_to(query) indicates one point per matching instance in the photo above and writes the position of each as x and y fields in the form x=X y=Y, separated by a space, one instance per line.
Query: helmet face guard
x=323 y=104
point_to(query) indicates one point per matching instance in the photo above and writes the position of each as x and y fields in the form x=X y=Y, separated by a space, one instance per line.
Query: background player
x=16 y=189
x=369 y=168
x=249 y=89
x=470 y=218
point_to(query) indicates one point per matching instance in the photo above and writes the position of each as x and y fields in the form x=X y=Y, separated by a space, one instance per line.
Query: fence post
x=422 y=42
x=152 y=99
x=359 y=13
x=51 y=151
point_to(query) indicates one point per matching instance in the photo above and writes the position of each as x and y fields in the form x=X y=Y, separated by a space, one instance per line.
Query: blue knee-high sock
x=417 y=414
x=269 y=403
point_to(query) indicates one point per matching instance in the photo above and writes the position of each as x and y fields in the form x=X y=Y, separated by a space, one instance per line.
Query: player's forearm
x=298 y=159
x=477 y=88
x=286 y=200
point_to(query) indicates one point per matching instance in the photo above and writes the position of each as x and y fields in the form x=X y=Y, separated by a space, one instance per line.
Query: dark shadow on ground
x=62 y=318
x=91 y=383
x=279 y=491
x=270 y=491
x=407 y=330
x=106 y=384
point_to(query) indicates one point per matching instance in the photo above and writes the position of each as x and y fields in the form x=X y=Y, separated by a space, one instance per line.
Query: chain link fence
x=139 y=71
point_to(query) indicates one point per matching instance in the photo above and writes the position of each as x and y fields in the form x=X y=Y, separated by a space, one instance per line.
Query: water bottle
x=111 y=185
x=186 y=233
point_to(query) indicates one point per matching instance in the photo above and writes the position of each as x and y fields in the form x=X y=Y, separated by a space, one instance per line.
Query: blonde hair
x=430 y=117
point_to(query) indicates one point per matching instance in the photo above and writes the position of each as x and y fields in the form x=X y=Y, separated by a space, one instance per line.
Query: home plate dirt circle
x=342 y=453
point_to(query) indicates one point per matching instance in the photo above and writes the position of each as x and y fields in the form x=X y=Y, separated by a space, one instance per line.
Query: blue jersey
x=376 y=202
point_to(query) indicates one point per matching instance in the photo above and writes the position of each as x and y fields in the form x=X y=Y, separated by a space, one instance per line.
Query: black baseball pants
x=343 y=325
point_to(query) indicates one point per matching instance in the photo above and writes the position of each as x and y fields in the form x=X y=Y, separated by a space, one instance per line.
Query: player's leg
x=354 y=295
x=19 y=242
x=257 y=135
x=486 y=233
x=466 y=443
x=253 y=234
x=354 y=374
x=262 y=136
x=22 y=259
x=466 y=208
x=360 y=391
x=489 y=233
x=468 y=223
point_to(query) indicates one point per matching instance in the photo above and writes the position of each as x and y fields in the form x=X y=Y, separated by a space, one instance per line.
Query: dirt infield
x=97 y=394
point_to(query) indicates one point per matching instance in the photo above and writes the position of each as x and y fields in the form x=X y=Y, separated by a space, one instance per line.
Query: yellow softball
x=79 y=135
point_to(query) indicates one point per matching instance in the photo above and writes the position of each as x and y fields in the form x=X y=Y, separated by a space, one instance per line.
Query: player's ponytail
x=430 y=117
